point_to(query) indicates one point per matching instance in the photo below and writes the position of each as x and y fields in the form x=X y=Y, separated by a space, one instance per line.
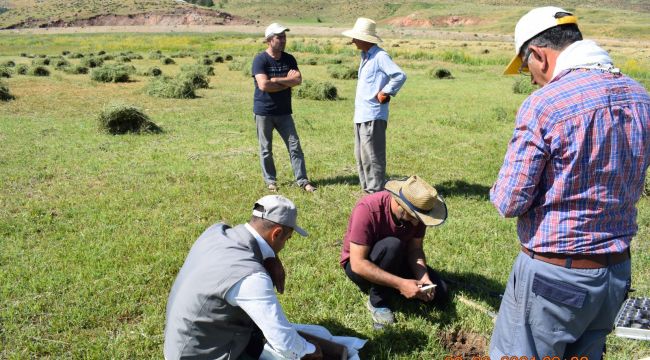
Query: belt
x=579 y=261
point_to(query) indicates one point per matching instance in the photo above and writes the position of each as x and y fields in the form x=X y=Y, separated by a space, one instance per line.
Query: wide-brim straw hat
x=420 y=199
x=364 y=29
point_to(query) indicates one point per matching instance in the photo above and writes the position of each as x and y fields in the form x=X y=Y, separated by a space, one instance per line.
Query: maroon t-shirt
x=371 y=221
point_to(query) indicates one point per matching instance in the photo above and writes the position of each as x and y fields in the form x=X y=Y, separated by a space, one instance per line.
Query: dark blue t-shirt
x=276 y=103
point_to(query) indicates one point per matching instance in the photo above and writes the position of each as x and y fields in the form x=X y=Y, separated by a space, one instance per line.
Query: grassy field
x=94 y=227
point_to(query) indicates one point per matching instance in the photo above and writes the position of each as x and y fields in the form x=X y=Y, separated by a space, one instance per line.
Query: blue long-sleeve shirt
x=377 y=72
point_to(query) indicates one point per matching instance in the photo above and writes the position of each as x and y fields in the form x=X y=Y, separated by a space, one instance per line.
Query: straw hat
x=364 y=29
x=420 y=199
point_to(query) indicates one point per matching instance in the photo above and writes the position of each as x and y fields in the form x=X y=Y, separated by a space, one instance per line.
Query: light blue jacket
x=377 y=72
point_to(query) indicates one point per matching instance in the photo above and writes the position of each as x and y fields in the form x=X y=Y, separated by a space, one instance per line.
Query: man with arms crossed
x=275 y=72
x=222 y=304
x=572 y=175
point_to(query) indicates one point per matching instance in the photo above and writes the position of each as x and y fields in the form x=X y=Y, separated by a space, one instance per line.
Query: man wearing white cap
x=572 y=175
x=382 y=248
x=379 y=79
x=275 y=72
x=222 y=304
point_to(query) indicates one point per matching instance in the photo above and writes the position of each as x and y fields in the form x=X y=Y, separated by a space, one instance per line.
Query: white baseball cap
x=274 y=29
x=280 y=210
x=533 y=23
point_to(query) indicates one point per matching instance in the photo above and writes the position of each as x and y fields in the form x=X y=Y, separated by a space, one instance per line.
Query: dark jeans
x=255 y=345
x=388 y=255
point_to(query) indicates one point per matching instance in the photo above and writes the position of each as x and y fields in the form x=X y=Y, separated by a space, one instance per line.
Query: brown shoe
x=309 y=187
x=272 y=187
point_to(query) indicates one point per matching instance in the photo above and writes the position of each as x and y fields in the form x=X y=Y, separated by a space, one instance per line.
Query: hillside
x=482 y=16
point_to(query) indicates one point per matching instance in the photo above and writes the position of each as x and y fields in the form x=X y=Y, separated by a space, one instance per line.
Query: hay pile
x=38 y=71
x=152 y=71
x=92 y=62
x=22 y=69
x=121 y=119
x=111 y=73
x=75 y=69
x=59 y=64
x=5 y=95
x=42 y=62
x=171 y=88
x=203 y=69
x=523 y=86
x=168 y=61
x=5 y=72
x=205 y=61
x=316 y=90
x=198 y=79
x=342 y=72
x=440 y=73
x=9 y=63
x=76 y=56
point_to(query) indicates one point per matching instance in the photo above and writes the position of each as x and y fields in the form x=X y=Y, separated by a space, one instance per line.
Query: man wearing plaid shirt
x=572 y=175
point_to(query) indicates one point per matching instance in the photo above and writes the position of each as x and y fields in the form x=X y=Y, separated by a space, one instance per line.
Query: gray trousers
x=370 y=153
x=287 y=129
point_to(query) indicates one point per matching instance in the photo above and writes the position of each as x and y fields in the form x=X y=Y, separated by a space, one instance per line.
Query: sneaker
x=272 y=187
x=309 y=187
x=381 y=316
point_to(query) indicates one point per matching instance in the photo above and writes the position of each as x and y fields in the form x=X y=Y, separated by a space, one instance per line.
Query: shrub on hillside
x=121 y=119
x=5 y=72
x=5 y=95
x=342 y=72
x=523 y=86
x=22 y=69
x=316 y=90
x=440 y=73
x=170 y=88
x=111 y=73
x=38 y=71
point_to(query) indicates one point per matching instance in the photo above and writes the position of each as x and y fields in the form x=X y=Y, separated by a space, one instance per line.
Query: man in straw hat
x=379 y=79
x=275 y=72
x=382 y=249
x=223 y=300
x=572 y=175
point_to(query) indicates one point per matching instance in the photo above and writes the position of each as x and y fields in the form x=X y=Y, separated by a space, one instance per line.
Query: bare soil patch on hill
x=413 y=20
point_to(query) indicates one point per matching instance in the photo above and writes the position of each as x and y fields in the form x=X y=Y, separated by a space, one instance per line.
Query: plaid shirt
x=576 y=164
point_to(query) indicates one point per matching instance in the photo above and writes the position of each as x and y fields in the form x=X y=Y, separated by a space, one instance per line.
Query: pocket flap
x=559 y=291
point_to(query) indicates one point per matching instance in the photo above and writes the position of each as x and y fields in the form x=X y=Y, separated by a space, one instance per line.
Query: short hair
x=264 y=224
x=557 y=37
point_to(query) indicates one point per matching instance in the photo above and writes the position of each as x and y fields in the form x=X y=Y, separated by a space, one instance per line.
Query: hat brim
x=365 y=37
x=435 y=217
x=300 y=230
x=514 y=66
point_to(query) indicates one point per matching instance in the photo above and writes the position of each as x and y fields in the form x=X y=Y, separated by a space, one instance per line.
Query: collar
x=265 y=248
x=583 y=54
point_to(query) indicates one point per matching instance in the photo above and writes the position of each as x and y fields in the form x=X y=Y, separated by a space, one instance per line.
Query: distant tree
x=208 y=3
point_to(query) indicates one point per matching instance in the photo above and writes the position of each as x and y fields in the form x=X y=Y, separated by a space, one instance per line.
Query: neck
x=274 y=54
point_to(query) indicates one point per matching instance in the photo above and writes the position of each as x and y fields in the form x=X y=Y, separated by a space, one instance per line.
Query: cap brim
x=435 y=217
x=514 y=66
x=300 y=230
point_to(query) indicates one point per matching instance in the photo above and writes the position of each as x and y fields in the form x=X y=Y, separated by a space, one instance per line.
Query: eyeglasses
x=523 y=69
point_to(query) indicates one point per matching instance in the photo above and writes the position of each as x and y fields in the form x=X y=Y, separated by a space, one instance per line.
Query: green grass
x=94 y=227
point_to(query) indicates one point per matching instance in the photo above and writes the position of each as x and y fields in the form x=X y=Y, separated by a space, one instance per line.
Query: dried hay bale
x=228 y=57
x=152 y=71
x=440 y=73
x=168 y=61
x=92 y=62
x=204 y=69
x=121 y=119
x=218 y=59
x=5 y=72
x=342 y=72
x=42 y=62
x=181 y=54
x=23 y=55
x=155 y=55
x=111 y=73
x=75 y=69
x=205 y=61
x=22 y=69
x=123 y=59
x=38 y=71
x=523 y=86
x=310 y=61
x=316 y=90
x=101 y=52
x=61 y=63
x=76 y=56
x=238 y=65
x=5 y=95
x=170 y=88
x=9 y=63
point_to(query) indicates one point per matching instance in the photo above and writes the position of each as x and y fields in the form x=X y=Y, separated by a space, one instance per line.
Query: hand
x=274 y=267
x=383 y=98
x=316 y=355
x=410 y=288
x=427 y=295
x=293 y=74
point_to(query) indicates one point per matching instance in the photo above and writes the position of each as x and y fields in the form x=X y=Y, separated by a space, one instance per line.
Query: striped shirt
x=575 y=167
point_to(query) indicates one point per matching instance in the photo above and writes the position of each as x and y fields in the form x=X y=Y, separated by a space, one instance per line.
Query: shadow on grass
x=338 y=180
x=463 y=188
x=475 y=287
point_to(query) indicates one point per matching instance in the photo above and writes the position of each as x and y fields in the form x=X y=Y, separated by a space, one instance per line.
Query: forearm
x=287 y=82
x=418 y=264
x=374 y=274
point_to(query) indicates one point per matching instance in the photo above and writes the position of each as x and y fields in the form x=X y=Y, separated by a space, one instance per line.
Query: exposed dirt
x=413 y=20
x=464 y=344
x=179 y=17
